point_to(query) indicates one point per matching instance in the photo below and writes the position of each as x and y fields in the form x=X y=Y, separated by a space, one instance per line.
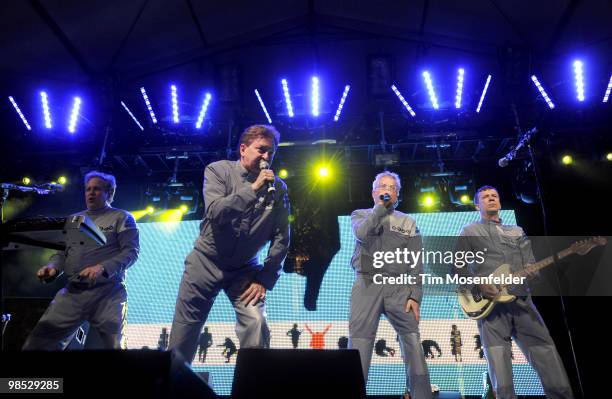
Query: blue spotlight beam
x=203 y=110
x=175 y=109
x=484 y=93
x=579 y=77
x=404 y=102
x=315 y=96
x=74 y=115
x=608 y=89
x=342 y=100
x=21 y=115
x=430 y=90
x=148 y=104
x=459 y=92
x=132 y=115
x=536 y=82
x=287 y=98
x=45 y=106
x=263 y=106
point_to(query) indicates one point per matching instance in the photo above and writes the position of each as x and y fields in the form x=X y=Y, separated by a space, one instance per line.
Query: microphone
x=504 y=161
x=385 y=197
x=263 y=164
x=52 y=186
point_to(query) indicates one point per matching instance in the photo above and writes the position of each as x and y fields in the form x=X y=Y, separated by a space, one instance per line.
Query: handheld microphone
x=385 y=197
x=263 y=164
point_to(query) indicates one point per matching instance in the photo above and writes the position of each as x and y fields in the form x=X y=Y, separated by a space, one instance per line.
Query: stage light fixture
x=175 y=107
x=567 y=160
x=148 y=104
x=74 y=115
x=287 y=98
x=536 y=82
x=62 y=180
x=484 y=93
x=430 y=89
x=609 y=156
x=203 y=110
x=608 y=89
x=132 y=115
x=21 y=115
x=26 y=181
x=283 y=173
x=579 y=77
x=45 y=106
x=263 y=106
x=459 y=93
x=403 y=101
x=315 y=96
x=342 y=100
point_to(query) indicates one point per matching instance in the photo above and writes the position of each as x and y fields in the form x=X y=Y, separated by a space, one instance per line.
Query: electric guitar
x=476 y=306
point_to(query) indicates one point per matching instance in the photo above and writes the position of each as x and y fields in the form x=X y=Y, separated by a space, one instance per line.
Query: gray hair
x=379 y=176
x=111 y=183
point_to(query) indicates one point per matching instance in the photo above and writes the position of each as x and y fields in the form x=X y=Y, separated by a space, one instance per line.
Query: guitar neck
x=544 y=262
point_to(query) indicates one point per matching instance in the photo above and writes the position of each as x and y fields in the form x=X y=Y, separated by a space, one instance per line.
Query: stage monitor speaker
x=149 y=373
x=298 y=373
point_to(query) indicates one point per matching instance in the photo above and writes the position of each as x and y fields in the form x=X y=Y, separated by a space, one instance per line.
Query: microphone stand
x=6 y=189
x=526 y=140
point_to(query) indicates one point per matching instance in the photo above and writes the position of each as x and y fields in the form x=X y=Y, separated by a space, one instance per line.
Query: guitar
x=476 y=306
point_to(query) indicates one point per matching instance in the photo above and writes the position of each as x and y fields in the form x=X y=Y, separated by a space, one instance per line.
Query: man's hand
x=265 y=175
x=253 y=294
x=92 y=272
x=413 y=306
x=46 y=272
x=488 y=290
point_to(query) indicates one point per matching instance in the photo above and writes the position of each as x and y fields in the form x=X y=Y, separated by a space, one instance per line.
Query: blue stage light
x=132 y=115
x=203 y=110
x=148 y=103
x=45 y=106
x=459 y=93
x=175 y=109
x=74 y=115
x=315 y=96
x=401 y=98
x=263 y=106
x=608 y=89
x=535 y=81
x=342 y=100
x=430 y=89
x=23 y=118
x=484 y=93
x=579 y=77
x=287 y=98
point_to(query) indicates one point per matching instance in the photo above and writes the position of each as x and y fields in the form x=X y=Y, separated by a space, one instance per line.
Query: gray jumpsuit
x=519 y=319
x=237 y=224
x=103 y=303
x=382 y=229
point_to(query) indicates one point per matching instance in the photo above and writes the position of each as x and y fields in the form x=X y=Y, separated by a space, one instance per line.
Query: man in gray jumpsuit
x=245 y=207
x=506 y=244
x=95 y=291
x=385 y=229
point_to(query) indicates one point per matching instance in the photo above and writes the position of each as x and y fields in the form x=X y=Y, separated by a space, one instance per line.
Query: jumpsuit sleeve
x=364 y=226
x=220 y=207
x=129 y=244
x=58 y=260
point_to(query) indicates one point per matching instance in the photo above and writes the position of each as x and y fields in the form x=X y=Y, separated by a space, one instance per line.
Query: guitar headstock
x=583 y=247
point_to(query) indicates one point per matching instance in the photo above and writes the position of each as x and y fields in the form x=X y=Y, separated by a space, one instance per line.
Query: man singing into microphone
x=245 y=207
x=383 y=229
